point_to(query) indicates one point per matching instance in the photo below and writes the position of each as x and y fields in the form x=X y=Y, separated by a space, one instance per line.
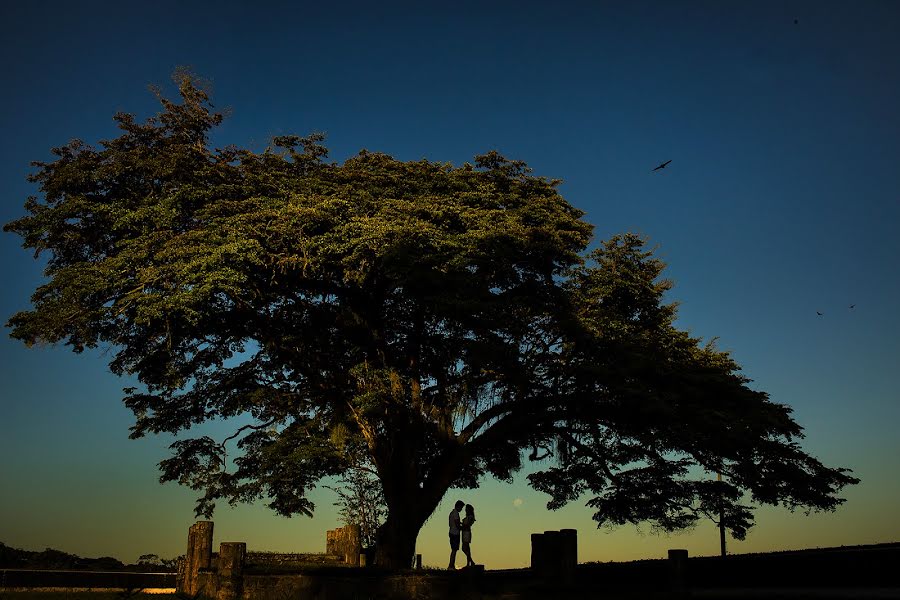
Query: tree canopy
x=439 y=323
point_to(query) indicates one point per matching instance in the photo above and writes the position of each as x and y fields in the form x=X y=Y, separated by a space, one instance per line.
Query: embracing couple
x=461 y=528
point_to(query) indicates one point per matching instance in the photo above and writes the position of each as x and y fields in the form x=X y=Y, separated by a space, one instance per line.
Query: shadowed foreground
x=857 y=572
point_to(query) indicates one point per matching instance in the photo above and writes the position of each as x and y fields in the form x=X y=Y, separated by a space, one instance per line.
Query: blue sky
x=782 y=199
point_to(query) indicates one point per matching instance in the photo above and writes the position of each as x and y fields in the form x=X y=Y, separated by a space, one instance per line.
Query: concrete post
x=230 y=573
x=678 y=575
x=198 y=555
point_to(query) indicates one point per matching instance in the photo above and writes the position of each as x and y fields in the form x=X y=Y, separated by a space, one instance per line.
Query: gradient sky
x=782 y=199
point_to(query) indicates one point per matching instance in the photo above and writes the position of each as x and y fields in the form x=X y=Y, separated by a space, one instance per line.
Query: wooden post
x=418 y=561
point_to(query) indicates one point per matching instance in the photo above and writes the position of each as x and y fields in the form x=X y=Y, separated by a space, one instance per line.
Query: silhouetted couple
x=461 y=529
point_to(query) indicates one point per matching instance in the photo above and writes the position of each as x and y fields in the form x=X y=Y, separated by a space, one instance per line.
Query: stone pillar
x=230 y=573
x=180 y=573
x=353 y=544
x=537 y=552
x=554 y=555
x=331 y=542
x=568 y=554
x=198 y=556
x=345 y=542
x=678 y=576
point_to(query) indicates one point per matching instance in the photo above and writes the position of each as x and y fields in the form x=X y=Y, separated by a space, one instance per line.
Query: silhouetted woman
x=465 y=527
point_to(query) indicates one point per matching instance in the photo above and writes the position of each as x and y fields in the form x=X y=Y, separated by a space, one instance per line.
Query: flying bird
x=818 y=313
x=662 y=166
x=852 y=305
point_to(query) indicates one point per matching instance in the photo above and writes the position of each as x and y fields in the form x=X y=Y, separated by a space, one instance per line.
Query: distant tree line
x=50 y=559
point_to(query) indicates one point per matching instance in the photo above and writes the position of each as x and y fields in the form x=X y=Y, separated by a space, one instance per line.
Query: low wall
x=361 y=584
x=288 y=560
x=365 y=584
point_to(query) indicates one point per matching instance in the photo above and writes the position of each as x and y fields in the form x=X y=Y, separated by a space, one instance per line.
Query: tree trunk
x=722 y=531
x=395 y=543
x=410 y=501
x=409 y=506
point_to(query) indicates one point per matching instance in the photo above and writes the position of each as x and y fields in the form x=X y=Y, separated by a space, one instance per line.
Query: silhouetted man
x=454 y=532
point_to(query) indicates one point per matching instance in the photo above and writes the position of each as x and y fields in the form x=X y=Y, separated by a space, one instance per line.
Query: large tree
x=440 y=323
